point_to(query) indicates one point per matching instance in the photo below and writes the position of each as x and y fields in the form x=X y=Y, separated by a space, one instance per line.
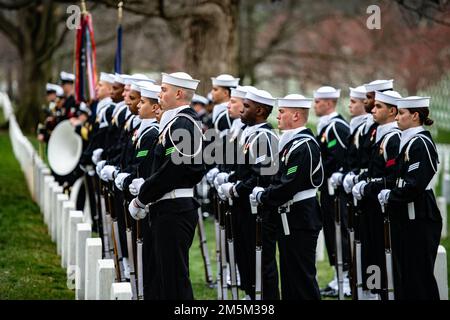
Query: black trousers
x=172 y=234
x=372 y=243
x=327 y=204
x=245 y=251
x=298 y=254
x=414 y=249
x=121 y=213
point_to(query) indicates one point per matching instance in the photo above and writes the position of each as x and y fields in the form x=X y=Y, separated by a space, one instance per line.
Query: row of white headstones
x=93 y=277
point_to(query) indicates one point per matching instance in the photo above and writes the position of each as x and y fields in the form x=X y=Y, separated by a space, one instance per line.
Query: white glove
x=226 y=191
x=120 y=179
x=97 y=155
x=255 y=196
x=107 y=173
x=349 y=182
x=99 y=167
x=358 y=190
x=135 y=186
x=383 y=197
x=336 y=179
x=211 y=175
x=221 y=194
x=136 y=210
x=221 y=178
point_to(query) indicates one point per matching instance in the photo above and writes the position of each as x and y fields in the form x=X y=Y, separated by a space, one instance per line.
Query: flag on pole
x=118 y=56
x=85 y=60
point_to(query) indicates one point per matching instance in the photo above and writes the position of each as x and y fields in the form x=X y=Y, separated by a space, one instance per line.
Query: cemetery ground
x=29 y=265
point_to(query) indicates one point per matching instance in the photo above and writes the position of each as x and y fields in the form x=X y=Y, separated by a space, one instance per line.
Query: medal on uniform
x=373 y=134
x=284 y=154
x=246 y=148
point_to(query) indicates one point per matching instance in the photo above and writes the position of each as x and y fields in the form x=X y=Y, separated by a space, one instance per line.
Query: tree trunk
x=31 y=91
x=211 y=44
x=38 y=26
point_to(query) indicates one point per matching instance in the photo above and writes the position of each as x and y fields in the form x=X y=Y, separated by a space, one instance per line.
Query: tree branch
x=10 y=30
x=15 y=5
x=422 y=13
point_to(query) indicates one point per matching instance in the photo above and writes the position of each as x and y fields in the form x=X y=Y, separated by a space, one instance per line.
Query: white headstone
x=446 y=187
x=440 y=273
x=83 y=233
x=67 y=207
x=121 y=291
x=93 y=254
x=105 y=278
x=56 y=190
x=443 y=209
x=49 y=181
x=320 y=248
x=60 y=199
x=45 y=172
x=75 y=217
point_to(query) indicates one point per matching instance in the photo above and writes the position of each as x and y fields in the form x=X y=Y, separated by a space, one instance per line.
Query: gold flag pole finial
x=120 y=5
x=83 y=7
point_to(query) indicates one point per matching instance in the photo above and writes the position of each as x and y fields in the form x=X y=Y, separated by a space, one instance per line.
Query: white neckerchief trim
x=146 y=123
x=103 y=103
x=169 y=115
x=325 y=120
x=218 y=109
x=408 y=134
x=250 y=130
x=355 y=122
x=369 y=123
x=383 y=129
x=287 y=136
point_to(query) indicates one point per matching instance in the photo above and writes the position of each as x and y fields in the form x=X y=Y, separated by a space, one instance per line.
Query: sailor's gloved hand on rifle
x=135 y=186
x=358 y=190
x=220 y=179
x=383 y=197
x=349 y=181
x=120 y=179
x=99 y=167
x=255 y=196
x=211 y=175
x=97 y=155
x=226 y=191
x=336 y=179
x=137 y=209
x=108 y=173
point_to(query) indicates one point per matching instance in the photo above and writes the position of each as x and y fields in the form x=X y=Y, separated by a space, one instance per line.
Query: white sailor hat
x=261 y=96
x=50 y=87
x=137 y=77
x=240 y=91
x=107 y=77
x=120 y=78
x=66 y=77
x=200 y=99
x=414 y=102
x=327 y=92
x=150 y=90
x=294 y=101
x=358 y=92
x=389 y=96
x=137 y=85
x=379 y=85
x=84 y=108
x=225 y=80
x=180 y=79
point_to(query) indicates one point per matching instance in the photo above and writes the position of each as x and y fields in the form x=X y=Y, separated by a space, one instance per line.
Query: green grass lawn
x=29 y=266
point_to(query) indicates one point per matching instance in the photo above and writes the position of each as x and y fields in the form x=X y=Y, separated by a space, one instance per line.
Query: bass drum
x=78 y=197
x=64 y=151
